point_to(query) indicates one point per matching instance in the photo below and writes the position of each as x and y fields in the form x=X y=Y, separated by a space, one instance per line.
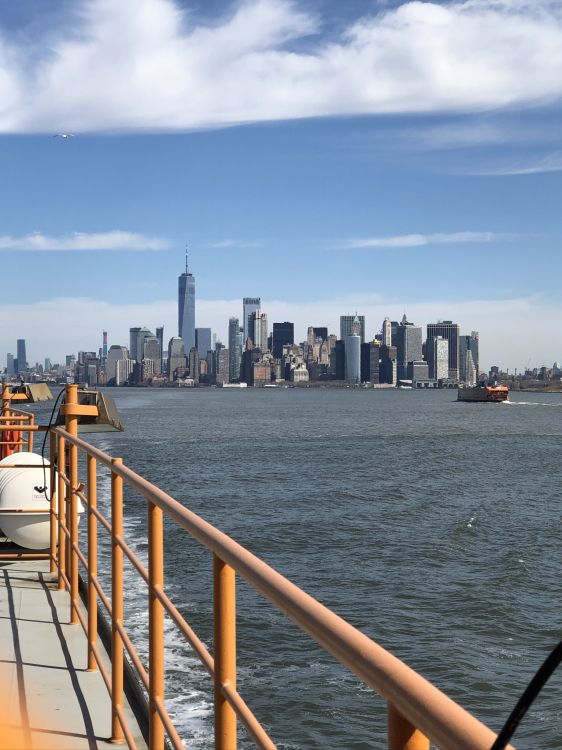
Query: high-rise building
x=133 y=333
x=22 y=356
x=151 y=351
x=257 y=330
x=469 y=359
x=176 y=356
x=370 y=356
x=104 y=346
x=450 y=331
x=142 y=334
x=408 y=346
x=234 y=349
x=352 y=325
x=114 y=355
x=353 y=358
x=193 y=364
x=283 y=334
x=160 y=337
x=388 y=365
x=249 y=305
x=386 y=332
x=186 y=308
x=10 y=369
x=203 y=341
x=437 y=356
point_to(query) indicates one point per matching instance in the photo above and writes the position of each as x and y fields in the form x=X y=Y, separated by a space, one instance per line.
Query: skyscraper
x=353 y=358
x=10 y=363
x=386 y=332
x=408 y=346
x=133 y=333
x=249 y=305
x=203 y=341
x=186 y=308
x=257 y=330
x=469 y=361
x=437 y=356
x=283 y=333
x=352 y=324
x=450 y=331
x=104 y=346
x=234 y=349
x=160 y=337
x=22 y=357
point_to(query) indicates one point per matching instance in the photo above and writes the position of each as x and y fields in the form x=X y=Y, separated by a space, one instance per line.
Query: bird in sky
x=64 y=135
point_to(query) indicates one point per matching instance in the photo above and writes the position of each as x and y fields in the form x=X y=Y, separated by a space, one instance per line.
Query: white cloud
x=112 y=240
x=229 y=243
x=419 y=240
x=57 y=327
x=145 y=64
x=549 y=163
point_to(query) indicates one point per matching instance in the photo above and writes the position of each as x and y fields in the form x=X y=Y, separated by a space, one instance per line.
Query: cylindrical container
x=27 y=489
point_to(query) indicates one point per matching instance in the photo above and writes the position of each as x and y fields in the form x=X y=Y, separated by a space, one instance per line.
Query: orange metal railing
x=418 y=713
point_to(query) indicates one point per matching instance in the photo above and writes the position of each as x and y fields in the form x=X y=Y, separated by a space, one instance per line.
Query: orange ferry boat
x=487 y=393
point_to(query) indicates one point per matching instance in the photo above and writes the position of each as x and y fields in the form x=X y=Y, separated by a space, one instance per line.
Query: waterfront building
x=469 y=360
x=352 y=345
x=115 y=354
x=298 y=373
x=370 y=364
x=21 y=355
x=349 y=324
x=437 y=357
x=186 y=308
x=283 y=334
x=418 y=370
x=408 y=346
x=203 y=341
x=258 y=329
x=176 y=357
x=450 y=331
x=249 y=305
x=388 y=365
x=234 y=349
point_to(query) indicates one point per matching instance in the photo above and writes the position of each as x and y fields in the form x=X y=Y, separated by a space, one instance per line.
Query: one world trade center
x=186 y=309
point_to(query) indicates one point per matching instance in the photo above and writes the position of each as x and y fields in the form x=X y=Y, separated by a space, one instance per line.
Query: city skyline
x=344 y=184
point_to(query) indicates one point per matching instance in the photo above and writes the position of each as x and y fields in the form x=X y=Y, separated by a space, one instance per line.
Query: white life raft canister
x=26 y=489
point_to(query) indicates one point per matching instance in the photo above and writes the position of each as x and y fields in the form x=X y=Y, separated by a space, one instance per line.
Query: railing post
x=61 y=503
x=72 y=429
x=155 y=625
x=31 y=422
x=225 y=652
x=92 y=565
x=117 y=734
x=52 y=506
x=402 y=735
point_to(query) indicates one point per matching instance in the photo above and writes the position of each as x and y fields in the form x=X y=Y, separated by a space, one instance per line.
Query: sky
x=330 y=157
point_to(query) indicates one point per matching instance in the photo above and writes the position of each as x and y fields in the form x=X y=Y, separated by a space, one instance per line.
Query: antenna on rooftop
x=186 y=255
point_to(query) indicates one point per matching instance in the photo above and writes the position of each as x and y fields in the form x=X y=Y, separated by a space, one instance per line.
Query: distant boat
x=484 y=393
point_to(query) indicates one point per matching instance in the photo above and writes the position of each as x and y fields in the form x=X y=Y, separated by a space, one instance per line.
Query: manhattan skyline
x=440 y=206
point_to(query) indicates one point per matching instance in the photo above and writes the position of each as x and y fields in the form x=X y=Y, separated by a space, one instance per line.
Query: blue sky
x=327 y=156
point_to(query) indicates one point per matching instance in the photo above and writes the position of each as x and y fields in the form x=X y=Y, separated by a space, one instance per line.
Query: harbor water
x=433 y=526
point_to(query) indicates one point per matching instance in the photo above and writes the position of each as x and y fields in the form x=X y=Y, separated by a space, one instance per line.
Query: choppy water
x=432 y=526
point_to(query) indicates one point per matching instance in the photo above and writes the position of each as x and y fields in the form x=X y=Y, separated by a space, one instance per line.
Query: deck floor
x=48 y=697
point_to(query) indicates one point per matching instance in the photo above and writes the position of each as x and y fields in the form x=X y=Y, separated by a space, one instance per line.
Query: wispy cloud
x=147 y=65
x=78 y=241
x=229 y=243
x=419 y=240
x=548 y=163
